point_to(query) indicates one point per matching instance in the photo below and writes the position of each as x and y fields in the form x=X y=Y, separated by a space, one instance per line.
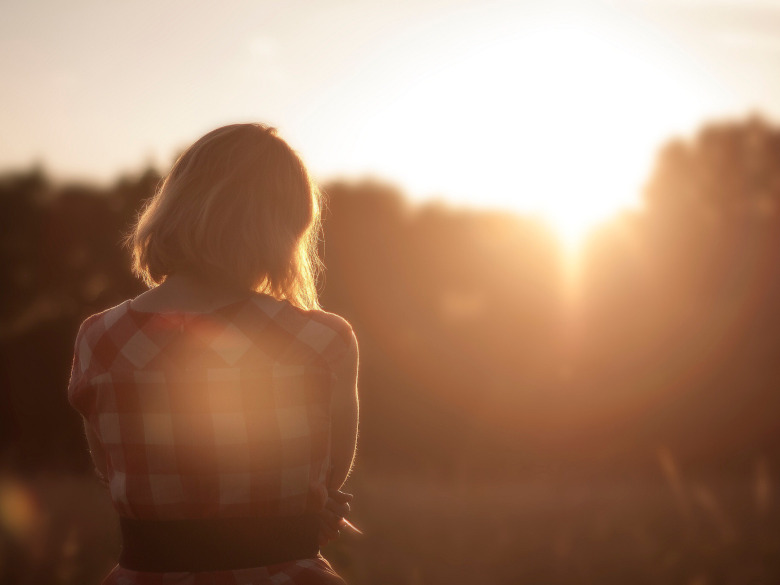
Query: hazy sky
x=480 y=101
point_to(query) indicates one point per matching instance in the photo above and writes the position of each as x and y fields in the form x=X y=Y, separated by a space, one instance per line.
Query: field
x=61 y=529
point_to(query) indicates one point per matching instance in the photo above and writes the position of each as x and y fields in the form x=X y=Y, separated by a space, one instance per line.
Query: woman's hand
x=332 y=515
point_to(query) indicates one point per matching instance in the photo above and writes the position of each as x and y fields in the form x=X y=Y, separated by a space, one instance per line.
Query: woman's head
x=238 y=206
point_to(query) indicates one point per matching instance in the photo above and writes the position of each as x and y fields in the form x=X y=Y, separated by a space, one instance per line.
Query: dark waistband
x=216 y=544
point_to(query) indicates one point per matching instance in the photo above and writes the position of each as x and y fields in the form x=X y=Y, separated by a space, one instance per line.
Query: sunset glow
x=554 y=110
x=559 y=119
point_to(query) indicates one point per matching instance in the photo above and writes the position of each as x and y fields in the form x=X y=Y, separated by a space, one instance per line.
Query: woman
x=220 y=406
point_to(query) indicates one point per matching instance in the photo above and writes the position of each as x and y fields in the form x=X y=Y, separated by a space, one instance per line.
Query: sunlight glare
x=560 y=119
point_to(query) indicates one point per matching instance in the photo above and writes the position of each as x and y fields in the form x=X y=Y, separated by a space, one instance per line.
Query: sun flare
x=559 y=119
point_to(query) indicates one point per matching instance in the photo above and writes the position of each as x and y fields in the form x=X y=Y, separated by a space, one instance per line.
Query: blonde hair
x=238 y=205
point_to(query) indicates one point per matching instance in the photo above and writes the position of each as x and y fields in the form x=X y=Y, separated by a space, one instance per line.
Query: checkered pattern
x=219 y=414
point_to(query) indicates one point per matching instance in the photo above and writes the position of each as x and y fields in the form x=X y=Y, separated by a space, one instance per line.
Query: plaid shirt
x=216 y=414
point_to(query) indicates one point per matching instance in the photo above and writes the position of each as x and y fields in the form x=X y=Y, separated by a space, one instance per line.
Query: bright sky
x=540 y=106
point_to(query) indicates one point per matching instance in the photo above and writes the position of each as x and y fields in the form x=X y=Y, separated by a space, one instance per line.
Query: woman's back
x=218 y=414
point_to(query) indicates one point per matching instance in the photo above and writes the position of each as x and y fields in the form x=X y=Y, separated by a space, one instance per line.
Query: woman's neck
x=185 y=291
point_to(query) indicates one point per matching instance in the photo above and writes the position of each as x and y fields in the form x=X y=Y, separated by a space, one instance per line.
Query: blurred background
x=554 y=226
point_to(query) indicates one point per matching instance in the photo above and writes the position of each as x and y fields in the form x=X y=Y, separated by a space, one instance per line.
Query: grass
x=62 y=529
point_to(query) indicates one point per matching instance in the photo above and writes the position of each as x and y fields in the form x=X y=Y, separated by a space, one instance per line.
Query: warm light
x=19 y=510
x=559 y=118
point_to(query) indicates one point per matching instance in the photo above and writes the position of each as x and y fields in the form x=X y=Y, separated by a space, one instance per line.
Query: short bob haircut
x=237 y=206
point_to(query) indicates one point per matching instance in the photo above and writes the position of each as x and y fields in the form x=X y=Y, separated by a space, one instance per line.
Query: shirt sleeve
x=82 y=358
x=343 y=340
x=331 y=336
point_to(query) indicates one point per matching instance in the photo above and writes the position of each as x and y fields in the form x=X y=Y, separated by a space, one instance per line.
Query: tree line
x=478 y=356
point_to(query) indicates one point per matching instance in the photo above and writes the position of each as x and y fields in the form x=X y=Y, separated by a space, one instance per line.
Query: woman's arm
x=344 y=417
x=97 y=452
x=344 y=426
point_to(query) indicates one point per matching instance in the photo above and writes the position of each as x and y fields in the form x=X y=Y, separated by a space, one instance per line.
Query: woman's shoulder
x=292 y=316
x=332 y=321
x=89 y=349
x=97 y=323
x=329 y=334
x=332 y=335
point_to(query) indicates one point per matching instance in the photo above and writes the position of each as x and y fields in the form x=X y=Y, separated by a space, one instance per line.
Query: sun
x=557 y=118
